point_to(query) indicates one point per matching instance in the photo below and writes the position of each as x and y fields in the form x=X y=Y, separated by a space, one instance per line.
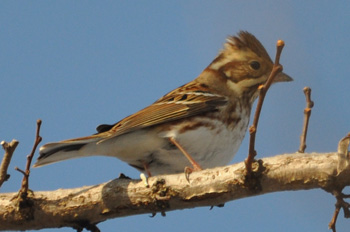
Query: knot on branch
x=253 y=177
x=161 y=195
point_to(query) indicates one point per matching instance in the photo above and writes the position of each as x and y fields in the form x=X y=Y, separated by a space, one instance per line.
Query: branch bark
x=90 y=205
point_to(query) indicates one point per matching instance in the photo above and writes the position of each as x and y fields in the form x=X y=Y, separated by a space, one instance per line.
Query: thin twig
x=9 y=149
x=276 y=69
x=307 y=114
x=23 y=192
x=20 y=170
x=333 y=222
x=340 y=204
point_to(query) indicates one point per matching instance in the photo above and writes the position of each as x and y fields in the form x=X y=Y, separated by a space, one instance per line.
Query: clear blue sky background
x=77 y=64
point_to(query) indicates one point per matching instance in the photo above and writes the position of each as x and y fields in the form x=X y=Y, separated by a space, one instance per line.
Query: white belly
x=209 y=147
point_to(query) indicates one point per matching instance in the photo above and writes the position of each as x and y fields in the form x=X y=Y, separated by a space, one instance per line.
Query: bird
x=196 y=126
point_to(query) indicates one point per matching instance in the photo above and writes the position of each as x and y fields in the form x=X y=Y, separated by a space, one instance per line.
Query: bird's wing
x=172 y=107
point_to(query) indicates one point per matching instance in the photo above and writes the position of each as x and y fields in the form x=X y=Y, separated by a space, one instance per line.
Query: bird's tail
x=68 y=149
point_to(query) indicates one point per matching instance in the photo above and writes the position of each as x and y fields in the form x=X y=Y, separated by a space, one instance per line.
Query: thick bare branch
x=123 y=197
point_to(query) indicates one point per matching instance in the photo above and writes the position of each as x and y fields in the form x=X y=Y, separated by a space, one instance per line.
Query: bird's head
x=244 y=64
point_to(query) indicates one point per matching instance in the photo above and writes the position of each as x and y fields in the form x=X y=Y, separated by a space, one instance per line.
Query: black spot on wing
x=104 y=128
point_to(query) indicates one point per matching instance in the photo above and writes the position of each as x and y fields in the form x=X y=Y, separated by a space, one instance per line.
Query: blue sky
x=78 y=64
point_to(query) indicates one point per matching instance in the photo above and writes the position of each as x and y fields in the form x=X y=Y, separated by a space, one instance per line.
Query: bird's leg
x=143 y=176
x=195 y=165
x=146 y=168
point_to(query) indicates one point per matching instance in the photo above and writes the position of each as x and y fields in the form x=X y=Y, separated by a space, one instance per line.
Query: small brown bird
x=200 y=124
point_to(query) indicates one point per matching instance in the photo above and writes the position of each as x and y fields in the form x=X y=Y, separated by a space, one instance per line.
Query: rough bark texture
x=89 y=205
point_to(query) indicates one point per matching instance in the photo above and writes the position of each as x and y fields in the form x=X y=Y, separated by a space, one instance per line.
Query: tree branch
x=307 y=114
x=9 y=149
x=123 y=197
x=276 y=69
x=25 y=181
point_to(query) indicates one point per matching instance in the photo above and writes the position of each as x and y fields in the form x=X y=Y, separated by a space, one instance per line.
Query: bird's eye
x=255 y=65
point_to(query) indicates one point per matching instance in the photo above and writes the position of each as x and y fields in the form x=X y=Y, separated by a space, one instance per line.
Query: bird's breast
x=211 y=141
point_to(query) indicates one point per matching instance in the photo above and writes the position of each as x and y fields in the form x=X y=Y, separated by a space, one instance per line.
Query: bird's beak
x=282 y=77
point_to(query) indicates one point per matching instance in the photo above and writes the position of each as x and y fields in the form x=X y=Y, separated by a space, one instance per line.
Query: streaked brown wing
x=169 y=108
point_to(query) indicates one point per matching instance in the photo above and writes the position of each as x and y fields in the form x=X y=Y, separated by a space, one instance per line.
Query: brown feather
x=168 y=108
x=247 y=40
